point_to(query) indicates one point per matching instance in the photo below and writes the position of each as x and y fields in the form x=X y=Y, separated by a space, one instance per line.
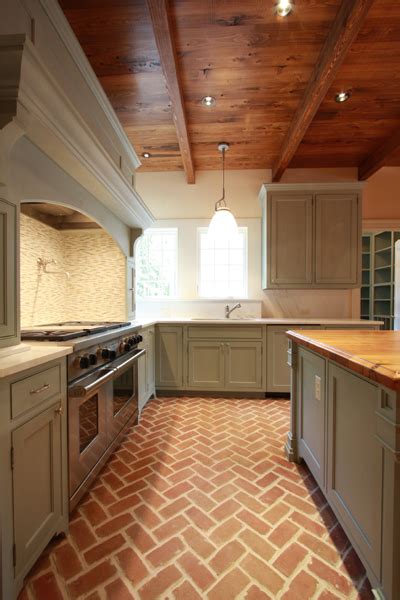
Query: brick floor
x=200 y=502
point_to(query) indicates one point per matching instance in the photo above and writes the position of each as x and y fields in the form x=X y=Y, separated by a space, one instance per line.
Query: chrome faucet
x=228 y=310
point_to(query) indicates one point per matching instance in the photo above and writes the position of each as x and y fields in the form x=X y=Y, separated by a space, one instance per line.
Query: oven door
x=87 y=424
x=125 y=394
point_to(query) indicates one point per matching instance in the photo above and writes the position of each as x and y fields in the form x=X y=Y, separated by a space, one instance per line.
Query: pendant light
x=223 y=224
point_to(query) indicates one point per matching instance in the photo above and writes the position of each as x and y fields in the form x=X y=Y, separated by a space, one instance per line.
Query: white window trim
x=243 y=230
x=163 y=230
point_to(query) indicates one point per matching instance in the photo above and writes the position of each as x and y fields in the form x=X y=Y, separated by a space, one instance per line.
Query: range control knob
x=113 y=354
x=92 y=359
x=105 y=353
x=127 y=347
x=140 y=338
x=84 y=362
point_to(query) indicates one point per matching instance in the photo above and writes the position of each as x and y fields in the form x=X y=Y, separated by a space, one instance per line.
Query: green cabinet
x=206 y=364
x=146 y=367
x=33 y=482
x=9 y=329
x=311 y=235
x=37 y=484
x=243 y=365
x=169 y=357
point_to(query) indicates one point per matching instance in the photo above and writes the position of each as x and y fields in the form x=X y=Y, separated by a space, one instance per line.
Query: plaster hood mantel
x=65 y=113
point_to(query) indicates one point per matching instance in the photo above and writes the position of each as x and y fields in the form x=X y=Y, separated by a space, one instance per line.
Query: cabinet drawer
x=33 y=390
x=232 y=332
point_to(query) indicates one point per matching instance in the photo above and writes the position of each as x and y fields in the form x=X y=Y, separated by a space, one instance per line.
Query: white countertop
x=143 y=323
x=36 y=355
x=42 y=352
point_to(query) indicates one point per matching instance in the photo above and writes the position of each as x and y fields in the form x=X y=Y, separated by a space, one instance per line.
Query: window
x=156 y=264
x=222 y=266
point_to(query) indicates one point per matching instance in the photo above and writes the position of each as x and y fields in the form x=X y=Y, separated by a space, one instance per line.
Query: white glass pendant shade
x=223 y=225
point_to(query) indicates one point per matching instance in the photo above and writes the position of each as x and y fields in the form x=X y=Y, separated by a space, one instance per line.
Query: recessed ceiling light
x=284 y=8
x=146 y=154
x=342 y=97
x=208 y=101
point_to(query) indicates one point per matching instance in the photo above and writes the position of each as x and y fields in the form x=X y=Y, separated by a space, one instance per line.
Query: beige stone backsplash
x=96 y=287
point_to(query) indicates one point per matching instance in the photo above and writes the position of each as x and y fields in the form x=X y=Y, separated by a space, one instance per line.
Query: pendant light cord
x=221 y=202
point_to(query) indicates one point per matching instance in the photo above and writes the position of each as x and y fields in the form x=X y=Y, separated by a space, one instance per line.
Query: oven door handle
x=130 y=360
x=80 y=391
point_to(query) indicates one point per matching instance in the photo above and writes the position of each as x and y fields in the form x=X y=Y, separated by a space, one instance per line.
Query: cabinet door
x=169 y=353
x=337 y=239
x=37 y=484
x=289 y=252
x=142 y=380
x=278 y=371
x=355 y=460
x=311 y=413
x=206 y=364
x=8 y=274
x=130 y=289
x=243 y=365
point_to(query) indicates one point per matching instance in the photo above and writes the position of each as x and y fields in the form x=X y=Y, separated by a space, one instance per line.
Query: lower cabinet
x=225 y=365
x=37 y=484
x=311 y=413
x=33 y=482
x=354 y=474
x=169 y=357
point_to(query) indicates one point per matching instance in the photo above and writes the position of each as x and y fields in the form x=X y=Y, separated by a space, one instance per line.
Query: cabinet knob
x=59 y=410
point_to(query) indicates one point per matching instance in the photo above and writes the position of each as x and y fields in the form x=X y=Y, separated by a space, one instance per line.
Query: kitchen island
x=345 y=424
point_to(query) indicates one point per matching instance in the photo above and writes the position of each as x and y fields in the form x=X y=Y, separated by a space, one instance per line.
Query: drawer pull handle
x=59 y=410
x=41 y=389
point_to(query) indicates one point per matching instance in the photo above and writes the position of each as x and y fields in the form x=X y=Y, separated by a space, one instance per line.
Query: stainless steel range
x=102 y=392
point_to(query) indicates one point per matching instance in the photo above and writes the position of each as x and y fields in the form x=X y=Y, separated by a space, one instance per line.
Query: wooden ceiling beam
x=380 y=157
x=346 y=26
x=162 y=27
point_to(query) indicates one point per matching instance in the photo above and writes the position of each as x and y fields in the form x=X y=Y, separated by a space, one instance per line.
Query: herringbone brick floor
x=199 y=502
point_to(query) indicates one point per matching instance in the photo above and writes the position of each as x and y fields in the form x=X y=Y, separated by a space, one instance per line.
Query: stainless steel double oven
x=101 y=405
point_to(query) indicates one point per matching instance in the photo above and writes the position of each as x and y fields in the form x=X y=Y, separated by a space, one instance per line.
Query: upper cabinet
x=8 y=280
x=311 y=235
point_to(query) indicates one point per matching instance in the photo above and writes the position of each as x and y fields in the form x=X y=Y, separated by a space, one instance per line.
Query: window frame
x=175 y=296
x=241 y=229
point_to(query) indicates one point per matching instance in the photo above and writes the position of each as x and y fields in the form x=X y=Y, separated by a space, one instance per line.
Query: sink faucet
x=228 y=310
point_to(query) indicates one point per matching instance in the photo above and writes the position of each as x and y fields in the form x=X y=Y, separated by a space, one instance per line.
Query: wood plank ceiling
x=259 y=67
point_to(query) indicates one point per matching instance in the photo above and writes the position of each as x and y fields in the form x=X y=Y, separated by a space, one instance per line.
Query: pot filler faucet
x=228 y=310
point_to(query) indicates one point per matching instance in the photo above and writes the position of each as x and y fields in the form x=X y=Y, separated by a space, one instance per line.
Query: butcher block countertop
x=373 y=354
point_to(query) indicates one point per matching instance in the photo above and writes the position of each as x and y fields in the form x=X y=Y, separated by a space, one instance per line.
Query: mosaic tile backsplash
x=96 y=287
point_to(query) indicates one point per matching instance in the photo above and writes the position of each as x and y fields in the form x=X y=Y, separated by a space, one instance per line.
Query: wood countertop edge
x=372 y=371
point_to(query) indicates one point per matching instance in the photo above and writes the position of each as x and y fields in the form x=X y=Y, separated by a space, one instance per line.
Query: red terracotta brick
x=103 y=495
x=166 y=552
x=226 y=531
x=224 y=492
x=177 y=490
x=301 y=587
x=141 y=539
x=132 y=565
x=196 y=570
x=199 y=543
x=321 y=570
x=124 y=505
x=258 y=544
x=171 y=527
x=94 y=513
x=104 y=549
x=307 y=524
x=173 y=508
x=262 y=572
x=117 y=590
x=250 y=502
x=114 y=525
x=290 y=558
x=67 y=561
x=185 y=591
x=158 y=585
x=147 y=516
x=227 y=556
x=253 y=521
x=229 y=586
x=271 y=495
x=90 y=580
x=338 y=539
x=199 y=518
x=319 y=548
x=132 y=488
x=254 y=593
x=81 y=534
x=46 y=586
